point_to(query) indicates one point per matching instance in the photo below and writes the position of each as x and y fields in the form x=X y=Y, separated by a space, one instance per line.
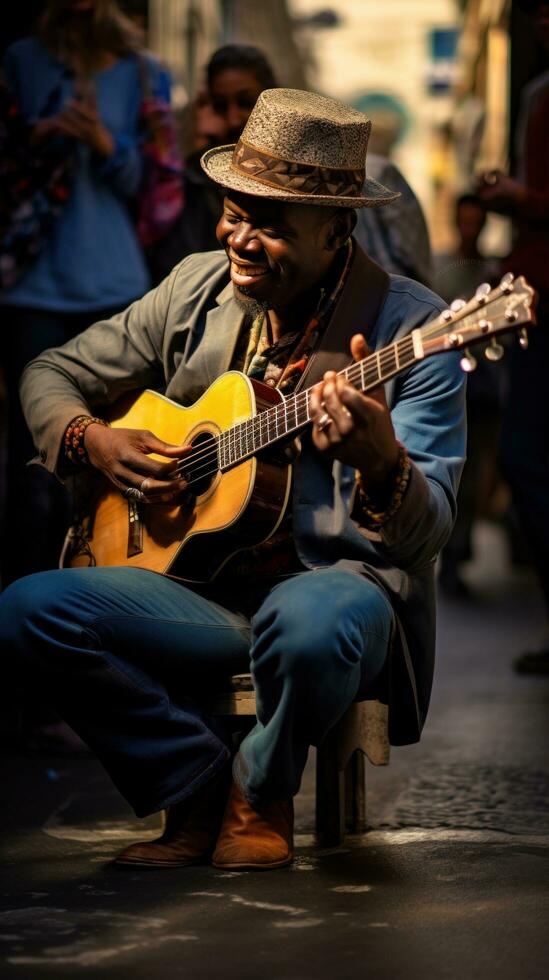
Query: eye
x=230 y=218
x=220 y=106
x=273 y=232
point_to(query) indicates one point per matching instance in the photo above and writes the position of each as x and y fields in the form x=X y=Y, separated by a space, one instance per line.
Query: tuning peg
x=494 y=351
x=482 y=292
x=468 y=363
x=506 y=282
x=457 y=305
x=523 y=338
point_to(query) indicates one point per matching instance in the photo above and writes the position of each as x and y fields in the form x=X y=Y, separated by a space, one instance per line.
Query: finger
x=359 y=347
x=79 y=110
x=360 y=350
x=317 y=410
x=342 y=421
x=74 y=117
x=161 y=491
x=126 y=477
x=316 y=402
x=152 y=444
x=69 y=129
x=363 y=407
x=143 y=464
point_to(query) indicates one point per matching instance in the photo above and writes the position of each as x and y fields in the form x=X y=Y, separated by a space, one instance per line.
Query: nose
x=243 y=238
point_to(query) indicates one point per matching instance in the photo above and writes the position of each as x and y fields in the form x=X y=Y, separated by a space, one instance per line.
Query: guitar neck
x=292 y=415
x=489 y=312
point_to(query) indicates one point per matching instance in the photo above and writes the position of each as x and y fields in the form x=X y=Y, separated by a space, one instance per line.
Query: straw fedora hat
x=302 y=148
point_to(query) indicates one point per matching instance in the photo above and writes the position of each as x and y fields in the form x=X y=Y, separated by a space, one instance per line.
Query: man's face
x=233 y=94
x=277 y=251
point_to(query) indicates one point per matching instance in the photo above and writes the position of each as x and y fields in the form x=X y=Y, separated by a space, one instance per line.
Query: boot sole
x=137 y=863
x=248 y=866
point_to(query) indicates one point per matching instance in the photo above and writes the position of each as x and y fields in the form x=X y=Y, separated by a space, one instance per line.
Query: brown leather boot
x=189 y=835
x=254 y=840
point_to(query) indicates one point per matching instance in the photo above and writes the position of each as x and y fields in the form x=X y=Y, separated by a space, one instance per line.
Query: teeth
x=249 y=270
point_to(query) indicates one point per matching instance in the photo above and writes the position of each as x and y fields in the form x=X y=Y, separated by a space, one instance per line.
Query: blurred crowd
x=102 y=193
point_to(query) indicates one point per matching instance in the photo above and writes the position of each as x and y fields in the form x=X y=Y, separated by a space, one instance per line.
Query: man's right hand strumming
x=123 y=456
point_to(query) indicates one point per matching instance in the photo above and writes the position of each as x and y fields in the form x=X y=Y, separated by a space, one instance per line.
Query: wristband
x=375 y=518
x=73 y=440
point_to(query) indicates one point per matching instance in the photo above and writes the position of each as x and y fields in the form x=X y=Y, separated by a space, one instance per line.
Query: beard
x=250 y=306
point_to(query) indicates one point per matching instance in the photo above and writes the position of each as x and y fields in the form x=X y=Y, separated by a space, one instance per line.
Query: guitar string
x=279 y=413
x=210 y=453
x=253 y=427
x=270 y=419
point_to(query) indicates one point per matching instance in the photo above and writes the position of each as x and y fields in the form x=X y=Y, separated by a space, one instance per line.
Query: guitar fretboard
x=292 y=415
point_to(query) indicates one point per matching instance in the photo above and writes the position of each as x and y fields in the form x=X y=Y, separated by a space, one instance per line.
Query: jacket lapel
x=221 y=334
x=356 y=312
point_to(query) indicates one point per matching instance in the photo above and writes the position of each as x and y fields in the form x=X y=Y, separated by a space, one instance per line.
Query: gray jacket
x=182 y=335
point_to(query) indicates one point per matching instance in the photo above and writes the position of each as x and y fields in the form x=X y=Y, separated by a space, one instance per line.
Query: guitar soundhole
x=202 y=465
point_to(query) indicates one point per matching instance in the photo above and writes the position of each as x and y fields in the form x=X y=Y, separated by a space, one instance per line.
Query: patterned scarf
x=281 y=365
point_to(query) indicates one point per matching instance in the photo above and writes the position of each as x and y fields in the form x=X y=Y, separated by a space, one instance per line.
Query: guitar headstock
x=508 y=307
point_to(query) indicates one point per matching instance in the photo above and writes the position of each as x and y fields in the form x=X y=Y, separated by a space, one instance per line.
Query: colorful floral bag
x=160 y=198
x=34 y=185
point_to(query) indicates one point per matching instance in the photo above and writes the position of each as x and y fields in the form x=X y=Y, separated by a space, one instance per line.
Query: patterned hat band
x=296 y=178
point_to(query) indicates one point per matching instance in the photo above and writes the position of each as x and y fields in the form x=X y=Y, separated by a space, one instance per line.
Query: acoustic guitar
x=239 y=471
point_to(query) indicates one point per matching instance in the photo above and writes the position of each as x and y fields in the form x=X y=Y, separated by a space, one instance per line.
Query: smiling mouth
x=247 y=273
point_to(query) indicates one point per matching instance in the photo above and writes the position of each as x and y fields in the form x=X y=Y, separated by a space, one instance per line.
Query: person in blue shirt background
x=78 y=79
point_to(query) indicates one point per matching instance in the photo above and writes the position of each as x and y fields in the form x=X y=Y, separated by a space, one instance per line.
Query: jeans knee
x=29 y=610
x=291 y=648
x=17 y=605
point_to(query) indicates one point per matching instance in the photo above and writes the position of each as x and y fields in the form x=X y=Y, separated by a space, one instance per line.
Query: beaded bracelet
x=73 y=441
x=375 y=519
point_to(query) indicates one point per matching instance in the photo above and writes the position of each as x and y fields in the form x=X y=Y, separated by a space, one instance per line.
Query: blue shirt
x=93 y=259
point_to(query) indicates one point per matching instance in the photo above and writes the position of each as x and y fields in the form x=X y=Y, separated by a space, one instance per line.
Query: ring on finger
x=132 y=493
x=323 y=422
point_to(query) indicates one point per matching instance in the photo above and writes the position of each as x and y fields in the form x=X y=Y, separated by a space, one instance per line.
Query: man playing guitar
x=338 y=604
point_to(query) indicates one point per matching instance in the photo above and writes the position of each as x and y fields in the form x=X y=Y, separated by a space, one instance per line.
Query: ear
x=341 y=228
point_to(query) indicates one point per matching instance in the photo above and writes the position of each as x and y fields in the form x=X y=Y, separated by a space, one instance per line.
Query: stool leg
x=330 y=793
x=355 y=794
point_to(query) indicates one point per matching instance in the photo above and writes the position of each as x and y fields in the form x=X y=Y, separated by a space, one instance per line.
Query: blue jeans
x=125 y=656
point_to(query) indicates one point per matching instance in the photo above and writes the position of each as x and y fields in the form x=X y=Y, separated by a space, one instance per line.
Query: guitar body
x=232 y=510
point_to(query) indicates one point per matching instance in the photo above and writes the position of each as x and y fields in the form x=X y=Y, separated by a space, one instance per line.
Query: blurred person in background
x=525 y=431
x=397 y=238
x=236 y=74
x=457 y=276
x=78 y=85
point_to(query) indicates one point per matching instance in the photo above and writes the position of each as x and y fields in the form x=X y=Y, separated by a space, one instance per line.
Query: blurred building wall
x=387 y=48
x=186 y=32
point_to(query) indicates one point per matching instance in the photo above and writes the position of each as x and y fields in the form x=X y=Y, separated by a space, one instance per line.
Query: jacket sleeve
x=429 y=419
x=124 y=168
x=95 y=368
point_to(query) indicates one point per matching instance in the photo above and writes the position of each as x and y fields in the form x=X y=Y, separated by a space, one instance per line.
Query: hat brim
x=217 y=164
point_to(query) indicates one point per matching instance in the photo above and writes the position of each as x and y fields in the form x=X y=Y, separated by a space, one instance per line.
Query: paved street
x=451 y=881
